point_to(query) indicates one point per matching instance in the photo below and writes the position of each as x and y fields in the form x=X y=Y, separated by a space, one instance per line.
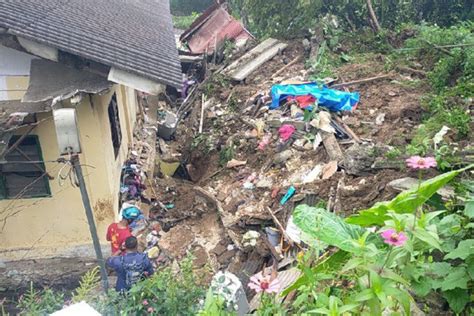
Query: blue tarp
x=331 y=99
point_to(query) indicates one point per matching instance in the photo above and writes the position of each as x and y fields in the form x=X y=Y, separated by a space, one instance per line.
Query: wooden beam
x=241 y=73
x=291 y=63
x=350 y=83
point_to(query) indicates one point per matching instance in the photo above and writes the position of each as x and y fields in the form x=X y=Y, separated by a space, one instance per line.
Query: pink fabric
x=303 y=100
x=417 y=162
x=286 y=131
x=394 y=238
x=264 y=142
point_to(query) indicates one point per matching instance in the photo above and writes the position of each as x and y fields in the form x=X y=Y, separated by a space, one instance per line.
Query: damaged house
x=94 y=56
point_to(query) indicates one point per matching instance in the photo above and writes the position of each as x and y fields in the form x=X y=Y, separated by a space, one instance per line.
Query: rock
x=264 y=183
x=380 y=119
x=283 y=156
x=358 y=159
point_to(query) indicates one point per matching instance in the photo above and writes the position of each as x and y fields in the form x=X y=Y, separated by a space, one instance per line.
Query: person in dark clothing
x=131 y=267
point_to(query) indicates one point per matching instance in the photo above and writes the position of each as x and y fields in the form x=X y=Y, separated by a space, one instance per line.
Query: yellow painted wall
x=57 y=226
x=15 y=87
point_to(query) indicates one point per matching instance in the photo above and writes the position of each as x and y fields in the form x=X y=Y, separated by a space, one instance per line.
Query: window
x=115 y=124
x=24 y=180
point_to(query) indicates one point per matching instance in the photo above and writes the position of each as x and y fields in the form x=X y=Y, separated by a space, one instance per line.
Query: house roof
x=211 y=29
x=132 y=35
x=54 y=81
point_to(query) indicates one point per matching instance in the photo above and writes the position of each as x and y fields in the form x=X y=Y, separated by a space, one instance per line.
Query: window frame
x=44 y=180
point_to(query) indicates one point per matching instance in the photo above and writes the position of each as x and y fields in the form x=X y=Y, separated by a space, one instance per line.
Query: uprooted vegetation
x=366 y=249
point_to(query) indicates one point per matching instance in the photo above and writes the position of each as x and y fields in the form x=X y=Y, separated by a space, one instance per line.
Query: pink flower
x=417 y=162
x=260 y=283
x=394 y=238
x=150 y=310
x=145 y=302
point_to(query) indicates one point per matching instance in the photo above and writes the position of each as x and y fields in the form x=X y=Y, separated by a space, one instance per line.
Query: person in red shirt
x=117 y=233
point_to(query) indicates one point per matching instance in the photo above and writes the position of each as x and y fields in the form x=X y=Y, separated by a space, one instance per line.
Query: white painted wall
x=14 y=70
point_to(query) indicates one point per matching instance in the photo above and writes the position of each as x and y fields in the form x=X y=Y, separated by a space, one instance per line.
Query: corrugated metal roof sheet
x=211 y=28
x=132 y=35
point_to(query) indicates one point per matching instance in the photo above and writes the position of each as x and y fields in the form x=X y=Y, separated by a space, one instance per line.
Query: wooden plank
x=257 y=50
x=241 y=73
x=332 y=147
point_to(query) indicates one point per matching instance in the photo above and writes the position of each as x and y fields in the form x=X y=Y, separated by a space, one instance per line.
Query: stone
x=283 y=156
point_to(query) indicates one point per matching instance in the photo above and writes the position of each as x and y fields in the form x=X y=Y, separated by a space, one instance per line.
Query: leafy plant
x=405 y=202
x=327 y=227
x=214 y=306
x=185 y=21
x=88 y=284
x=40 y=302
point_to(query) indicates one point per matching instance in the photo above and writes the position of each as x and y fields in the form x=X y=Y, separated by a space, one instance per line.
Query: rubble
x=242 y=157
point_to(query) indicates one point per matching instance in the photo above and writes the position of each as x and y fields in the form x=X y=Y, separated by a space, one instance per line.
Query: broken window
x=24 y=180
x=115 y=124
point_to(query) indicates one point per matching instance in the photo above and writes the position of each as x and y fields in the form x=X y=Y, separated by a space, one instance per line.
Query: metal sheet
x=54 y=81
x=213 y=29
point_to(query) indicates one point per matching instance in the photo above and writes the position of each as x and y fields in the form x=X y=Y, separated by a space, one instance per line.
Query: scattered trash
x=235 y=163
x=248 y=185
x=250 y=238
x=291 y=191
x=153 y=252
x=439 y=136
x=229 y=288
x=322 y=121
x=286 y=131
x=331 y=99
x=264 y=142
x=167 y=125
x=273 y=236
x=152 y=238
x=313 y=175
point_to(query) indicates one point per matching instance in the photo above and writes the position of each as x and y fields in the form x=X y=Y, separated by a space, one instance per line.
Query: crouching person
x=131 y=267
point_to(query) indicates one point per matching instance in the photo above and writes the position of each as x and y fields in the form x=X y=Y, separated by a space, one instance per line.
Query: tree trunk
x=373 y=17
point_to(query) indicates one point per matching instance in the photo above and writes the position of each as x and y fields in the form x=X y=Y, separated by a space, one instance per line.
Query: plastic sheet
x=334 y=100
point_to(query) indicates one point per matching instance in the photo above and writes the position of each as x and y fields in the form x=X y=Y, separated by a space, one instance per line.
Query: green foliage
x=183 y=22
x=186 y=7
x=226 y=154
x=450 y=74
x=327 y=227
x=405 y=202
x=204 y=142
x=44 y=302
x=214 y=306
x=294 y=17
x=166 y=292
x=88 y=284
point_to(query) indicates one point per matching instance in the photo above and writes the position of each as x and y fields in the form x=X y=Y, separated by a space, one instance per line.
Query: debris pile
x=242 y=145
